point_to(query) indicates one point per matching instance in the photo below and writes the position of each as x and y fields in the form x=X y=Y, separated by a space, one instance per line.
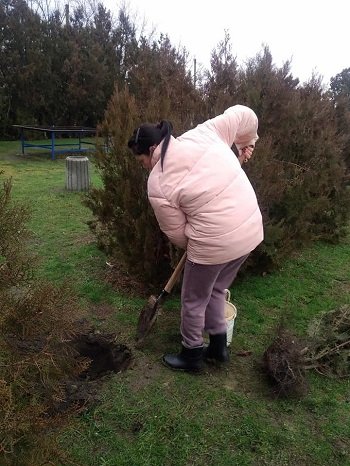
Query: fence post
x=77 y=173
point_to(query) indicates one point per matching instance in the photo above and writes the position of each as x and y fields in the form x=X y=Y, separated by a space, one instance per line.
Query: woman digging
x=205 y=204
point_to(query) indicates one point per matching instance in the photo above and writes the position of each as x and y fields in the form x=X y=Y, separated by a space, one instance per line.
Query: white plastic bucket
x=230 y=315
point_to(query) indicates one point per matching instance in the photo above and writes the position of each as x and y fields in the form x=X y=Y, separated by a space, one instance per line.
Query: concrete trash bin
x=77 y=173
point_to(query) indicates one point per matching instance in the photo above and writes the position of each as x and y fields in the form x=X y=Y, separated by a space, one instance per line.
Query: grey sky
x=314 y=34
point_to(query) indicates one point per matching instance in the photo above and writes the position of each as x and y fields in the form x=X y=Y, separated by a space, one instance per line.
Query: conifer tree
x=222 y=82
x=159 y=87
x=297 y=169
x=124 y=222
x=340 y=93
x=310 y=201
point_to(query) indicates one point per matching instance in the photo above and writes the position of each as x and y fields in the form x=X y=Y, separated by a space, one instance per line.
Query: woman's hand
x=245 y=154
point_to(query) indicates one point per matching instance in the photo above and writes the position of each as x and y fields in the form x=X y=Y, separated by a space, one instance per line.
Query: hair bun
x=165 y=127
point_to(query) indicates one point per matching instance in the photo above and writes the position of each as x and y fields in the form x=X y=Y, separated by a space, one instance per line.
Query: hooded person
x=206 y=205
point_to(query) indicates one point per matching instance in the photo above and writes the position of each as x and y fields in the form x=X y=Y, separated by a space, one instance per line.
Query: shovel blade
x=147 y=319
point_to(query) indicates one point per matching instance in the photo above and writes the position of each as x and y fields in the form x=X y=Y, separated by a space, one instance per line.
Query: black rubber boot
x=217 y=350
x=189 y=359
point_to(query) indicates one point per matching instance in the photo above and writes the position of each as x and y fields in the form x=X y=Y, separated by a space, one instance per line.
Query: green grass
x=149 y=415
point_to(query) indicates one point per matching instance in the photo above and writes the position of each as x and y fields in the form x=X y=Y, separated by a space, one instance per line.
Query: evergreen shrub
x=37 y=320
x=297 y=169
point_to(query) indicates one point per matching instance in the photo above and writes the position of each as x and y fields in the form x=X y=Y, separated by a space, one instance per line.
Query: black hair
x=146 y=135
x=235 y=150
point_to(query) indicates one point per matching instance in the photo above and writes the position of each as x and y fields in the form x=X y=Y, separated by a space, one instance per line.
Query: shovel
x=148 y=314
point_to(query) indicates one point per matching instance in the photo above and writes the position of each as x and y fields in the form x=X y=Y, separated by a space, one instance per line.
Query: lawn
x=152 y=416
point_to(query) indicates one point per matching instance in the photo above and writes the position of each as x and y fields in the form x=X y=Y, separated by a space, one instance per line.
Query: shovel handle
x=176 y=274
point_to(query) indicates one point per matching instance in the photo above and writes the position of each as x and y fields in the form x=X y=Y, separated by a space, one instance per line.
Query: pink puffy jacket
x=202 y=199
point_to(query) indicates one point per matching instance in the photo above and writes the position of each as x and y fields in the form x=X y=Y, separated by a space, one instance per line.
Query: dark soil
x=123 y=282
x=102 y=311
x=106 y=357
x=284 y=366
x=105 y=353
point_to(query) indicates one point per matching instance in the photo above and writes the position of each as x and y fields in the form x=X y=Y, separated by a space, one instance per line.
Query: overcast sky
x=314 y=34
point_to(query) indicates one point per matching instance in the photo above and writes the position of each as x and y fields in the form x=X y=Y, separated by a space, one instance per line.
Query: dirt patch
x=121 y=281
x=104 y=353
x=102 y=311
x=143 y=372
x=104 y=357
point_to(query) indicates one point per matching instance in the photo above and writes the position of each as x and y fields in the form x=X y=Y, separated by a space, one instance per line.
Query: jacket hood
x=247 y=126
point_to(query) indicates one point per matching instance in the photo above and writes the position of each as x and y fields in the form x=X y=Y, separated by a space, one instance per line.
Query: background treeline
x=59 y=66
x=85 y=67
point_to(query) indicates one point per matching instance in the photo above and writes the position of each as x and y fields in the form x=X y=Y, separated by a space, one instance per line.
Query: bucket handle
x=227 y=295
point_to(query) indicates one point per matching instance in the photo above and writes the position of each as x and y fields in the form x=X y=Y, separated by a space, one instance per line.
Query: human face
x=146 y=160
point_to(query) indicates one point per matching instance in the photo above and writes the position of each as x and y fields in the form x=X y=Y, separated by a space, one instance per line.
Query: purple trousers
x=203 y=299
